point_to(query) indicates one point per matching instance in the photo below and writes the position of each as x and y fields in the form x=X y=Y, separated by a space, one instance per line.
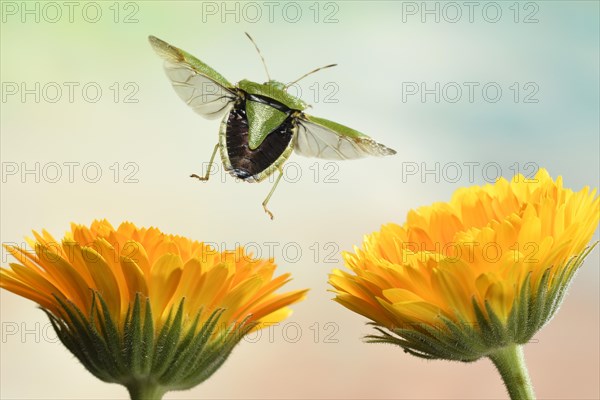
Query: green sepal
x=87 y=340
x=134 y=342
x=538 y=302
x=519 y=315
x=218 y=352
x=147 y=340
x=149 y=363
x=167 y=342
x=467 y=341
x=192 y=344
x=110 y=335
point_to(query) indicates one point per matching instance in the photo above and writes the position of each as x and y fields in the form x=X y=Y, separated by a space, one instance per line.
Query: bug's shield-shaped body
x=239 y=157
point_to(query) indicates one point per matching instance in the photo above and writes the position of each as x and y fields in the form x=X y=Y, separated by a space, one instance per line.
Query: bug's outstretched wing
x=321 y=138
x=200 y=86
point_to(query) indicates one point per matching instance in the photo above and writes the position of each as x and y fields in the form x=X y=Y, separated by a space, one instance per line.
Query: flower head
x=486 y=270
x=152 y=311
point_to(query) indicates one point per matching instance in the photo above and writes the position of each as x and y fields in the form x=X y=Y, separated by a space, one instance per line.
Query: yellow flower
x=152 y=311
x=486 y=270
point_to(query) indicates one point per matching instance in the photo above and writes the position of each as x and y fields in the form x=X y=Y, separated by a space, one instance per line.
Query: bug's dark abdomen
x=245 y=162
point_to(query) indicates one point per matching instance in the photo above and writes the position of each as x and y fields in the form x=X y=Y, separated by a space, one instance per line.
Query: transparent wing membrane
x=205 y=90
x=202 y=94
x=316 y=140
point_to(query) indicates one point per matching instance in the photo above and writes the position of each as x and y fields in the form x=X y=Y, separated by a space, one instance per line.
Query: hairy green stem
x=145 y=390
x=510 y=362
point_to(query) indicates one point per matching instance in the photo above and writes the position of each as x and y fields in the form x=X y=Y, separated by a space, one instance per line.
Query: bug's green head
x=276 y=84
x=274 y=90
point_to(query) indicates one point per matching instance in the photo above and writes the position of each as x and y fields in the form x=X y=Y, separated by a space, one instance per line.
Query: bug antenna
x=308 y=73
x=260 y=54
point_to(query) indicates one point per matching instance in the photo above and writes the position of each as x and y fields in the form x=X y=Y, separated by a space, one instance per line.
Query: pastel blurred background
x=518 y=89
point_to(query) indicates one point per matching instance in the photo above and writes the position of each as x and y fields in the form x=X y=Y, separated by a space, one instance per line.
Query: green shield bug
x=262 y=124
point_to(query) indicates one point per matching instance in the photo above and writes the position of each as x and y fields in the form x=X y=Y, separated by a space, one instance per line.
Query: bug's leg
x=264 y=203
x=210 y=163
